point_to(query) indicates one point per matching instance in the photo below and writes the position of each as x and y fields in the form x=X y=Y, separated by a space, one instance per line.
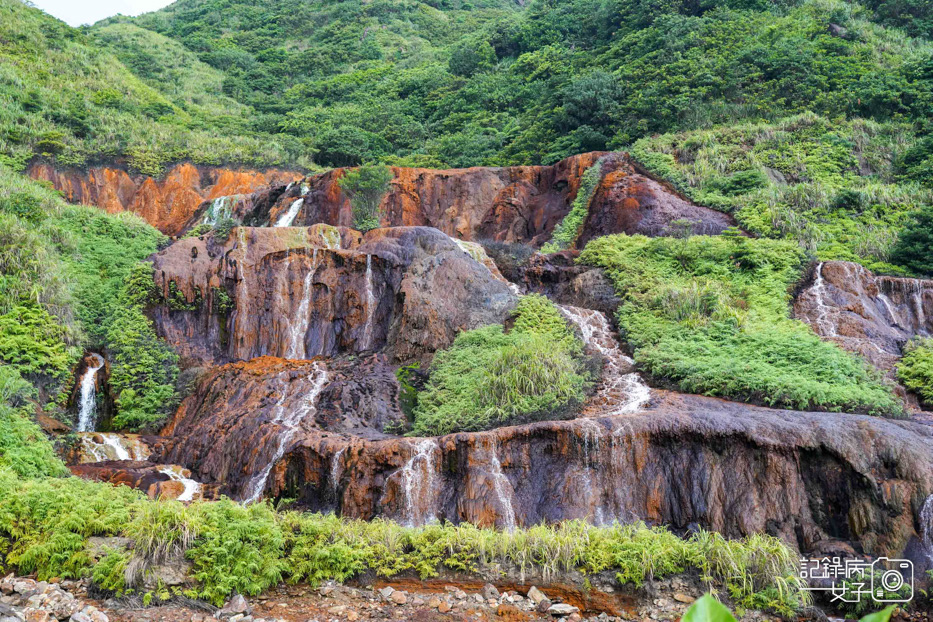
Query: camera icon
x=892 y=580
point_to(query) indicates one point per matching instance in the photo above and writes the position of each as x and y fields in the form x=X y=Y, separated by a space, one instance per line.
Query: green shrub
x=710 y=315
x=365 y=186
x=249 y=549
x=914 y=246
x=915 y=369
x=568 y=229
x=488 y=378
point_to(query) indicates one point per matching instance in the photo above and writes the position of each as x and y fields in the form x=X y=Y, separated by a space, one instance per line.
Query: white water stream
x=87 y=409
x=823 y=311
x=101 y=446
x=288 y=422
x=926 y=526
x=178 y=474
x=418 y=483
x=298 y=325
x=503 y=488
x=621 y=390
x=286 y=219
x=370 y=305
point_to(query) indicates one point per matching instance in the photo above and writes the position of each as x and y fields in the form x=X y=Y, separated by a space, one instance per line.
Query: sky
x=77 y=12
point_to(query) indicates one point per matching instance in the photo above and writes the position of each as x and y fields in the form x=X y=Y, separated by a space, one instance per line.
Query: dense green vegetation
x=709 y=315
x=365 y=186
x=468 y=83
x=915 y=369
x=248 y=549
x=833 y=186
x=68 y=279
x=568 y=229
x=64 y=97
x=489 y=377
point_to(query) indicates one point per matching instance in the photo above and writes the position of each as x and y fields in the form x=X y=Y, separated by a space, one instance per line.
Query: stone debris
x=27 y=600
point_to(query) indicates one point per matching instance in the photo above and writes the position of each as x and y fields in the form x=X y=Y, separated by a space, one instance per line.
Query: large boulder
x=299 y=292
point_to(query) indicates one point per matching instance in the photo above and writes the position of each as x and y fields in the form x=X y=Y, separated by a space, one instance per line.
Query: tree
x=914 y=247
x=365 y=186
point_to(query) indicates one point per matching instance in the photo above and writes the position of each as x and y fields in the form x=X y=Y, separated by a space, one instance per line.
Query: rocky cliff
x=305 y=292
x=873 y=316
x=167 y=203
x=822 y=482
x=511 y=204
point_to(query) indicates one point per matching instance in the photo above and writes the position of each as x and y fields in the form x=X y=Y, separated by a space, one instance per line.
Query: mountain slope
x=441 y=85
x=65 y=98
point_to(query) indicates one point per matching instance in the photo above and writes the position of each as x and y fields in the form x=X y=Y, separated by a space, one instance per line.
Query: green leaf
x=881 y=616
x=708 y=609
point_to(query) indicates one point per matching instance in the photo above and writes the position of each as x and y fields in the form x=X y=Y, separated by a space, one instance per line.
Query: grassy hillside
x=837 y=187
x=64 y=97
x=465 y=84
x=69 y=280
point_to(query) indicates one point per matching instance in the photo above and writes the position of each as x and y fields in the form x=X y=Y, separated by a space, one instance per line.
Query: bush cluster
x=489 y=377
x=248 y=549
x=709 y=315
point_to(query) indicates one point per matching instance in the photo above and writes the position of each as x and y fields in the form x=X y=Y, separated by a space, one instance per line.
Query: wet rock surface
x=168 y=203
x=682 y=461
x=304 y=292
x=872 y=316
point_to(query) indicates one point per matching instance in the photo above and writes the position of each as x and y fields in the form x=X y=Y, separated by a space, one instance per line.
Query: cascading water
x=87 y=409
x=418 y=483
x=335 y=471
x=298 y=324
x=176 y=473
x=823 y=311
x=220 y=208
x=288 y=423
x=370 y=305
x=889 y=308
x=286 y=219
x=621 y=390
x=592 y=435
x=100 y=446
x=502 y=487
x=926 y=525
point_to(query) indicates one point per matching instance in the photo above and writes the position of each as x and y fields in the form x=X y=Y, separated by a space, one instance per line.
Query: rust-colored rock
x=167 y=203
x=873 y=316
x=518 y=204
x=808 y=478
x=302 y=292
x=143 y=476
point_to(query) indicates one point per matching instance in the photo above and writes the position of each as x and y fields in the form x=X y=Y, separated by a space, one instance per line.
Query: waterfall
x=298 y=325
x=926 y=527
x=335 y=471
x=370 y=306
x=176 y=473
x=895 y=321
x=822 y=309
x=220 y=208
x=286 y=219
x=621 y=390
x=88 y=406
x=288 y=423
x=418 y=483
x=502 y=487
x=99 y=447
x=592 y=435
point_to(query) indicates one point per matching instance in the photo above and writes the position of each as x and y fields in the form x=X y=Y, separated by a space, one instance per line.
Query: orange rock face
x=168 y=203
x=513 y=204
